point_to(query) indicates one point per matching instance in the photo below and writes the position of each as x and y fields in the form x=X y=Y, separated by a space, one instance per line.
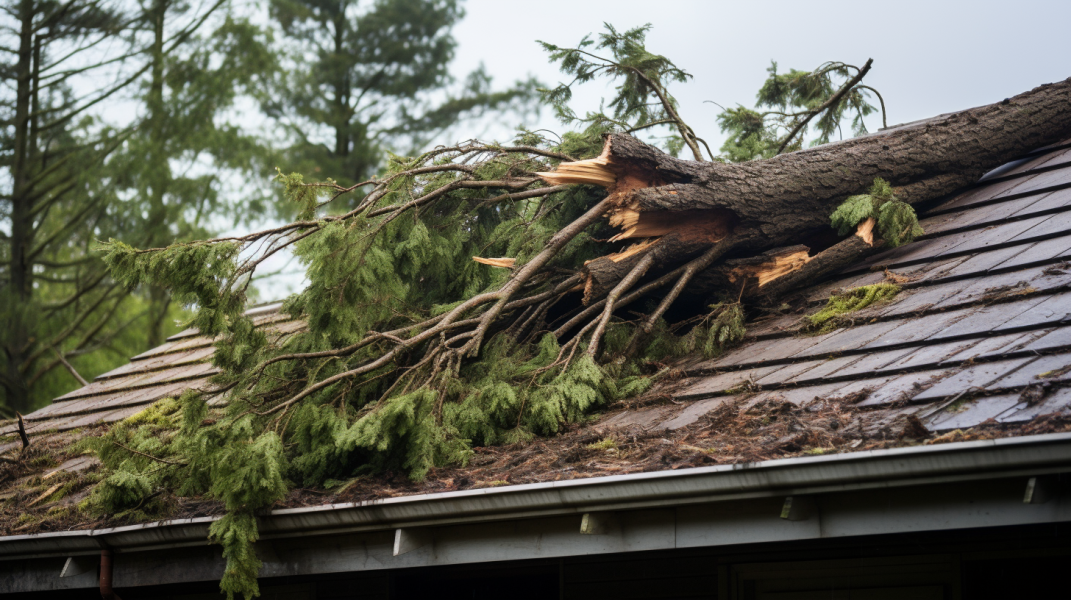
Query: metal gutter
x=898 y=467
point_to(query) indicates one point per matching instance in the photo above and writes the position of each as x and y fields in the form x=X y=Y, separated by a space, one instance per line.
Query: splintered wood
x=631 y=250
x=707 y=225
x=865 y=231
x=771 y=265
x=593 y=171
x=503 y=263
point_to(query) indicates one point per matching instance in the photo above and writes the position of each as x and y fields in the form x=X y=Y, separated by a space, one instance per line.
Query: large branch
x=678 y=207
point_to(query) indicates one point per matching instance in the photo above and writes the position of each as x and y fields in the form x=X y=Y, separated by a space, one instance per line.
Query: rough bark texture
x=686 y=206
x=775 y=199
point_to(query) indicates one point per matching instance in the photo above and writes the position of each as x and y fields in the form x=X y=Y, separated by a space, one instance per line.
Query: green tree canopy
x=173 y=178
x=56 y=299
x=365 y=78
x=79 y=173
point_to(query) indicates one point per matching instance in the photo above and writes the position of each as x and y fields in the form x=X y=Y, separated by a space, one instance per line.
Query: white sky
x=929 y=57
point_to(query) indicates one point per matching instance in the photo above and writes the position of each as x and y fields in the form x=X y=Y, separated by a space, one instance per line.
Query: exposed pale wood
x=838 y=256
x=45 y=494
x=632 y=250
x=865 y=231
x=709 y=226
x=783 y=266
x=593 y=171
x=769 y=266
x=505 y=263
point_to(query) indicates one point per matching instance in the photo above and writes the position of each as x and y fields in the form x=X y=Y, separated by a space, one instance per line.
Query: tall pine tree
x=56 y=300
x=170 y=175
x=365 y=78
x=81 y=171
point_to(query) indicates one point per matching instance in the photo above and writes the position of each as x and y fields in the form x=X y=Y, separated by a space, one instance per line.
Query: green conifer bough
x=896 y=220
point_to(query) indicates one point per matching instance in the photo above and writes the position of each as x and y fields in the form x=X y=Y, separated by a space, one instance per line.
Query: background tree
x=54 y=302
x=173 y=177
x=364 y=78
x=78 y=174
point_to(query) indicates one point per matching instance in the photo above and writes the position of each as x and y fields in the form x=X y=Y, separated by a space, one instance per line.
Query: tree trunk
x=20 y=271
x=682 y=207
x=159 y=174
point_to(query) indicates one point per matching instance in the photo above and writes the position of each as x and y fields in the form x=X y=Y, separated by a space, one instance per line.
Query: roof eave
x=899 y=467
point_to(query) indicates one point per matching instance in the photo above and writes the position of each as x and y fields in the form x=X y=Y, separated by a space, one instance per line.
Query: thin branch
x=22 y=431
x=149 y=456
x=70 y=368
x=501 y=298
x=832 y=102
x=884 y=119
x=714 y=253
x=626 y=282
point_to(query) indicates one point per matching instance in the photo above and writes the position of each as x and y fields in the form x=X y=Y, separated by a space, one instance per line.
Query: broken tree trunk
x=675 y=208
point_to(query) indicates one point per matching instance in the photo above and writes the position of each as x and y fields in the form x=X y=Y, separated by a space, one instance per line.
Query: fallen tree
x=476 y=294
x=754 y=206
x=680 y=209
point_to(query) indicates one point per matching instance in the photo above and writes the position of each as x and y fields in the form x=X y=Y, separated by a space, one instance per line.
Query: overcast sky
x=929 y=57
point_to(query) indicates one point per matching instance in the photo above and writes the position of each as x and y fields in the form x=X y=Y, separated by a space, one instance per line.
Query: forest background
x=156 y=121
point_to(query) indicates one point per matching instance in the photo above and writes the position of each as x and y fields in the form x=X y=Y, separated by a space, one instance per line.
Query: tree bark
x=757 y=206
x=159 y=174
x=21 y=240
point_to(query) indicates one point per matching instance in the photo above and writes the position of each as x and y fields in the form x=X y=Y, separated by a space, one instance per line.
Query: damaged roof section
x=979 y=333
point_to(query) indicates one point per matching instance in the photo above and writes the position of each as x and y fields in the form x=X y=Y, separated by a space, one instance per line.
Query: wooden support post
x=407 y=540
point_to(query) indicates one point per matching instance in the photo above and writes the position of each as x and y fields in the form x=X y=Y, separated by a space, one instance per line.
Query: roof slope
x=978 y=344
x=981 y=330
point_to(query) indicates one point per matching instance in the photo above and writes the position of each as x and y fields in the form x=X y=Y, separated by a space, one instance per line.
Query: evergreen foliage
x=76 y=173
x=167 y=181
x=897 y=223
x=642 y=100
x=717 y=331
x=797 y=101
x=359 y=79
x=850 y=301
x=56 y=302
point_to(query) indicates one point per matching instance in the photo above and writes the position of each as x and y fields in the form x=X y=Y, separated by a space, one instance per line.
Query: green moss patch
x=856 y=299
